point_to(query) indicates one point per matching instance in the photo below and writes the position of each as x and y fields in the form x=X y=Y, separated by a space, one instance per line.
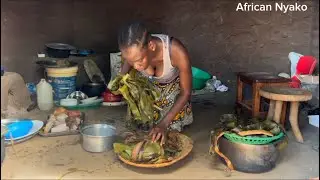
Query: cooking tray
x=65 y=133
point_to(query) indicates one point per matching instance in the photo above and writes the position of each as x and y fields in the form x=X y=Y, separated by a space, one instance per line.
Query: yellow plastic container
x=62 y=72
x=63 y=81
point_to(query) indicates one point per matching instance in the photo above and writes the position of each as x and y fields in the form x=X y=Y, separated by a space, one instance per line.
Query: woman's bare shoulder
x=178 y=51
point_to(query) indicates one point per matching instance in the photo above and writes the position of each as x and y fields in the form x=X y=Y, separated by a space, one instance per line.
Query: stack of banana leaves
x=251 y=127
x=139 y=93
x=143 y=150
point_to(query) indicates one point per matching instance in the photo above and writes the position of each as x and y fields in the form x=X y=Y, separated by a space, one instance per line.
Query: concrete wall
x=219 y=39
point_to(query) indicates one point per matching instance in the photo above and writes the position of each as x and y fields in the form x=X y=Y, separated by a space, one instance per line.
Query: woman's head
x=135 y=42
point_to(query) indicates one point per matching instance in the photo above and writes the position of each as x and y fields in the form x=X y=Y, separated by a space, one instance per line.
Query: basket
x=233 y=137
x=187 y=144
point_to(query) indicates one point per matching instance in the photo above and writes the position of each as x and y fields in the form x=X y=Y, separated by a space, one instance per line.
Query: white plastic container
x=44 y=95
x=314 y=120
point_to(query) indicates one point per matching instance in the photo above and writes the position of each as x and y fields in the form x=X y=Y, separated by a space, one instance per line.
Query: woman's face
x=136 y=56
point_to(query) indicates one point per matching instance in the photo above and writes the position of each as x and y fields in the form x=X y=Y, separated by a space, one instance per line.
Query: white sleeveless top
x=169 y=72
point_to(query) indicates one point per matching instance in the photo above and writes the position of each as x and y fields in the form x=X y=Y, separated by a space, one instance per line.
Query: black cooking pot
x=93 y=89
x=59 y=50
x=252 y=158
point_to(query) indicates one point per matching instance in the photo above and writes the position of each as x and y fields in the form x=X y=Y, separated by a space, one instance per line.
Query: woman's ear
x=152 y=46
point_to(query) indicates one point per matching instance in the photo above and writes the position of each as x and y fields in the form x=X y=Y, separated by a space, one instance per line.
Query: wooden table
x=257 y=80
x=277 y=96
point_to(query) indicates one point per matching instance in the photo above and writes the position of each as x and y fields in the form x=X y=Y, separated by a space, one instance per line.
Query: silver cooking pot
x=97 y=137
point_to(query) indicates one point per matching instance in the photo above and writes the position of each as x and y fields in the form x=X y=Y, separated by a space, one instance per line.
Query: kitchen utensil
x=199 y=78
x=68 y=102
x=77 y=95
x=121 y=103
x=89 y=100
x=59 y=50
x=187 y=146
x=37 y=125
x=110 y=97
x=49 y=63
x=94 y=73
x=98 y=137
x=251 y=158
x=18 y=129
x=93 y=89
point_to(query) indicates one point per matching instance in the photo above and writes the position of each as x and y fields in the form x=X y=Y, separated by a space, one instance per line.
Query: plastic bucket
x=199 y=78
x=62 y=80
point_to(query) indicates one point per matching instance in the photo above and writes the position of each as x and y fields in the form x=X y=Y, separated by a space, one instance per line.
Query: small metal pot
x=98 y=137
x=93 y=89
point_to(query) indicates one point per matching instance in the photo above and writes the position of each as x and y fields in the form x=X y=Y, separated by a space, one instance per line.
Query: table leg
x=294 y=109
x=255 y=100
x=271 y=110
x=239 y=98
x=239 y=89
x=283 y=113
x=277 y=111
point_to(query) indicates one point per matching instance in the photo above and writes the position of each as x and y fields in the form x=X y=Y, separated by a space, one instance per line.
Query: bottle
x=44 y=95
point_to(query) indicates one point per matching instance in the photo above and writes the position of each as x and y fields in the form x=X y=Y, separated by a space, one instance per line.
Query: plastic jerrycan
x=44 y=95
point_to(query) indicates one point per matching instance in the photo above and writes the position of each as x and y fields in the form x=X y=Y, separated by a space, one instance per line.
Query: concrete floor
x=51 y=158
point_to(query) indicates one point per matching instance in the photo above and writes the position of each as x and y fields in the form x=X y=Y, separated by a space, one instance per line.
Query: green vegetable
x=149 y=152
x=139 y=93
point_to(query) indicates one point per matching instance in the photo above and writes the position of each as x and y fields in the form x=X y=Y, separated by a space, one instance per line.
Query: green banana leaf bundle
x=139 y=93
x=149 y=152
x=229 y=122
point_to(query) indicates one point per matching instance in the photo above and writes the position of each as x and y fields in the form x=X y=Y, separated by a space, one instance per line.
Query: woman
x=166 y=63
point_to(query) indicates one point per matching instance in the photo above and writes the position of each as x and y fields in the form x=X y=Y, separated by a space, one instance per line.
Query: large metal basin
x=98 y=137
x=251 y=158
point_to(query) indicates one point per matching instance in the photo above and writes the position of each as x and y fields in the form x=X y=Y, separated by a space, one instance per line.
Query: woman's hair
x=133 y=34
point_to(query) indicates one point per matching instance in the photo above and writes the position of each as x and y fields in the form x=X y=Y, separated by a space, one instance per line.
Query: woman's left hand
x=158 y=132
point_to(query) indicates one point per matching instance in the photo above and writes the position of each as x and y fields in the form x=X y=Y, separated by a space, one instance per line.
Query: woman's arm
x=180 y=59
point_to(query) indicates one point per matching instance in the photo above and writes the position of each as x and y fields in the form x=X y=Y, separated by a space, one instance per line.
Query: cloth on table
x=305 y=66
x=294 y=58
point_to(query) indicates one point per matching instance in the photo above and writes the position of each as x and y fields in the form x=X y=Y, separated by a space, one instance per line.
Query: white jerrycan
x=44 y=95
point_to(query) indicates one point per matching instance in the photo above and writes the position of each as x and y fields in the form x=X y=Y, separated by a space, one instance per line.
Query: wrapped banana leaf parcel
x=143 y=150
x=139 y=93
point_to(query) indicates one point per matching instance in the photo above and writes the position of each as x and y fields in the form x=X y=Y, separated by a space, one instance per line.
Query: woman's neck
x=158 y=53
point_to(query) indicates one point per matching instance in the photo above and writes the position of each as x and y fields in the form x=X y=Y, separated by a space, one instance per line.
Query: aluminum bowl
x=98 y=137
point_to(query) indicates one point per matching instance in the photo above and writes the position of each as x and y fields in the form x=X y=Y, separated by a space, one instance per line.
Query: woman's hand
x=158 y=132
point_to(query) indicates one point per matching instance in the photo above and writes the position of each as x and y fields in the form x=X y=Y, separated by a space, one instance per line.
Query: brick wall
x=218 y=38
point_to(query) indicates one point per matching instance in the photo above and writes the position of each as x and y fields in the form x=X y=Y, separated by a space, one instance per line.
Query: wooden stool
x=257 y=80
x=277 y=96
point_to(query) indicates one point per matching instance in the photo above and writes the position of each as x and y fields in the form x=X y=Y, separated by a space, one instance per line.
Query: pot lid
x=60 y=46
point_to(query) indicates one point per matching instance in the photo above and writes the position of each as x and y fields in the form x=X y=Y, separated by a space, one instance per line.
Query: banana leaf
x=231 y=123
x=139 y=93
x=146 y=151
x=123 y=150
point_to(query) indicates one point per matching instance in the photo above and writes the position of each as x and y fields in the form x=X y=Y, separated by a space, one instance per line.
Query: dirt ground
x=52 y=158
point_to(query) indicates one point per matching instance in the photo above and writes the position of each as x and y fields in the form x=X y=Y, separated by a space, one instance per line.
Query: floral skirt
x=169 y=94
